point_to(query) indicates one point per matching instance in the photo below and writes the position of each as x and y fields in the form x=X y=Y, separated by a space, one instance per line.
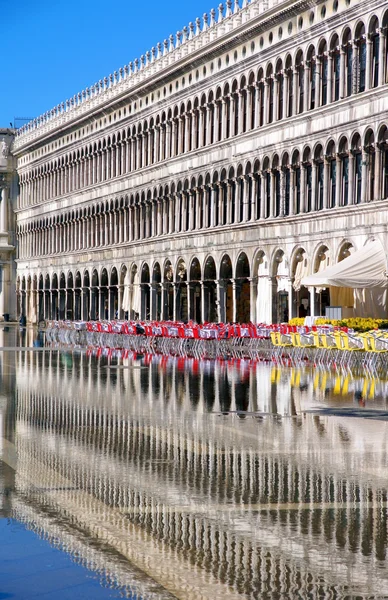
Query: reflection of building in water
x=206 y=503
x=7 y=429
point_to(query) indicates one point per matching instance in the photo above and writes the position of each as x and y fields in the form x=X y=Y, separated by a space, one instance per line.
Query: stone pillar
x=246 y=179
x=364 y=176
x=276 y=98
x=302 y=189
x=201 y=126
x=273 y=193
x=338 y=187
x=232 y=112
x=4 y=210
x=326 y=175
x=314 y=186
x=330 y=74
x=249 y=92
x=224 y=118
x=285 y=93
x=342 y=72
x=355 y=66
x=218 y=303
x=377 y=192
x=191 y=209
x=234 y=301
x=312 y=301
x=292 y=190
x=369 y=46
x=202 y=301
x=266 y=101
x=351 y=179
x=295 y=91
x=240 y=116
x=382 y=56
x=282 y=193
x=307 y=86
x=256 y=122
x=263 y=196
x=318 y=79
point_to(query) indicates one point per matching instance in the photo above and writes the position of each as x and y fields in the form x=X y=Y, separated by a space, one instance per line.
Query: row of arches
x=265 y=287
x=345 y=63
x=350 y=170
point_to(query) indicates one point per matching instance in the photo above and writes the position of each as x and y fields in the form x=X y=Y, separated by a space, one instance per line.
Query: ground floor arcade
x=262 y=284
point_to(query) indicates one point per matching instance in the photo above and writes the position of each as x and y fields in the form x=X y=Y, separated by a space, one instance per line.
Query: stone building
x=8 y=199
x=207 y=178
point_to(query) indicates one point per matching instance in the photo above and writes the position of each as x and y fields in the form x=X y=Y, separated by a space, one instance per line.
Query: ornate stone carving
x=4 y=149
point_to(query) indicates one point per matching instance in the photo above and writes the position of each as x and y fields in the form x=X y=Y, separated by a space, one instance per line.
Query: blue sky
x=52 y=50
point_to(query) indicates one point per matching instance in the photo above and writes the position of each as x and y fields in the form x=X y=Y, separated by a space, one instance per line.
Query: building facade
x=205 y=179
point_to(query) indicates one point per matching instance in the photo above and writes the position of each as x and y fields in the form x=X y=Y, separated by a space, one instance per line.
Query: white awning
x=365 y=268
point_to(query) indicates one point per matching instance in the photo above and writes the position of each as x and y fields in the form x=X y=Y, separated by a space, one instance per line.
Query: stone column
x=326 y=175
x=282 y=192
x=307 y=86
x=266 y=101
x=191 y=209
x=186 y=145
x=232 y=112
x=208 y=131
x=254 y=197
x=318 y=79
x=351 y=179
x=338 y=187
x=263 y=196
x=314 y=186
x=4 y=210
x=249 y=92
x=212 y=207
x=202 y=301
x=377 y=192
x=201 y=126
x=224 y=118
x=330 y=74
x=234 y=301
x=312 y=301
x=295 y=91
x=276 y=98
x=382 y=56
x=273 y=193
x=285 y=93
x=256 y=122
x=246 y=179
x=302 y=189
x=364 y=176
x=240 y=117
x=342 y=72
x=292 y=190
x=355 y=66
x=368 y=69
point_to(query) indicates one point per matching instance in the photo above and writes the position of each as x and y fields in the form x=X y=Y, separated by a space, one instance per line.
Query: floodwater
x=152 y=477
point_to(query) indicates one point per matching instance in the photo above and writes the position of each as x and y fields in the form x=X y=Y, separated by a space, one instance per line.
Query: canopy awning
x=365 y=268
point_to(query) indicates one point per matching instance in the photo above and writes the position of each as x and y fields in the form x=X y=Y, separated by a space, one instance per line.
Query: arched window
x=297 y=181
x=319 y=178
x=344 y=171
x=287 y=184
x=348 y=57
x=357 y=169
x=280 y=89
x=308 y=179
